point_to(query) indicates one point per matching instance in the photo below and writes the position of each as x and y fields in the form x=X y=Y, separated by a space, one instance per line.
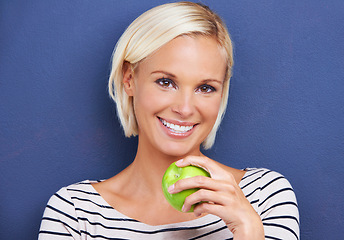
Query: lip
x=181 y=123
x=174 y=134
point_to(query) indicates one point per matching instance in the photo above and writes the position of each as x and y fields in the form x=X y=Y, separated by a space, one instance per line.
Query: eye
x=205 y=88
x=165 y=83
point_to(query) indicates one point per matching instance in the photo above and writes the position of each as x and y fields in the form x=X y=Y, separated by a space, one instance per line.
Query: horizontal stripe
x=61 y=212
x=255 y=171
x=59 y=221
x=266 y=173
x=251 y=193
x=282 y=217
x=103 y=237
x=90 y=201
x=153 y=231
x=281 y=226
x=55 y=233
x=106 y=218
x=278 y=205
x=270 y=237
x=63 y=199
x=275 y=193
x=82 y=191
x=253 y=181
x=209 y=233
x=273 y=180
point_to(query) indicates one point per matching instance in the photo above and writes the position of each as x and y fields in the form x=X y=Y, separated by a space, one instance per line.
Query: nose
x=184 y=104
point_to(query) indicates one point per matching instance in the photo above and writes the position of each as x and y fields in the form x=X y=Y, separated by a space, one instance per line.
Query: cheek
x=210 y=108
x=148 y=100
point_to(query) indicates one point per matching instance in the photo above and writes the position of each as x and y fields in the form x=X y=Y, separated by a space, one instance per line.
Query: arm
x=59 y=220
x=278 y=207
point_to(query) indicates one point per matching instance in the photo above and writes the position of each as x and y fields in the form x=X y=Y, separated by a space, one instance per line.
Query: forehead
x=188 y=54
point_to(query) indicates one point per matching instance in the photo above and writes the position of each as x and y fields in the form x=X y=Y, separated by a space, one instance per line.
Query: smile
x=175 y=127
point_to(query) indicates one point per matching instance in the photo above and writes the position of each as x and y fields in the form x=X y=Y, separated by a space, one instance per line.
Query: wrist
x=250 y=230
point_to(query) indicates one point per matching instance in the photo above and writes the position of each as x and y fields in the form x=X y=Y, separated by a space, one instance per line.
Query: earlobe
x=128 y=78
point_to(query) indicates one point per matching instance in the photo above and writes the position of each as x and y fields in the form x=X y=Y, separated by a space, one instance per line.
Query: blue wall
x=58 y=126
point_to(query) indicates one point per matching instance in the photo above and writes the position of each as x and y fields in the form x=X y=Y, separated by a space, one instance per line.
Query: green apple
x=172 y=175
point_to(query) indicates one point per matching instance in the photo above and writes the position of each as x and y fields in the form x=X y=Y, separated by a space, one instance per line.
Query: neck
x=149 y=166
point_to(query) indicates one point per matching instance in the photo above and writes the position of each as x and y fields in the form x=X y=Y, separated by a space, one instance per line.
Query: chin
x=180 y=150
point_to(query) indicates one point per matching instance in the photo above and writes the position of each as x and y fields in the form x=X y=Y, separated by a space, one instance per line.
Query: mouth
x=176 y=128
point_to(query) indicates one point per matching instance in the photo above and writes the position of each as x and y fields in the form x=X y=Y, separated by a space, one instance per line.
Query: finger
x=206 y=163
x=199 y=161
x=203 y=195
x=198 y=182
x=210 y=208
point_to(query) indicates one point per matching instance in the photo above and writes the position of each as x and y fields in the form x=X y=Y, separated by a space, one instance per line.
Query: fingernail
x=183 y=209
x=170 y=188
x=180 y=161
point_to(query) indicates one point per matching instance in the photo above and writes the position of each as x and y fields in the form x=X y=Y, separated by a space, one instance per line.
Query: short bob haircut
x=152 y=30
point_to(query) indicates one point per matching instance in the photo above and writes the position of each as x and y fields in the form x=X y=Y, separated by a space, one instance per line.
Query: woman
x=170 y=81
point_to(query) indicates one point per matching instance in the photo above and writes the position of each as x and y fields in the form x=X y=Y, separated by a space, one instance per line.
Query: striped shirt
x=79 y=212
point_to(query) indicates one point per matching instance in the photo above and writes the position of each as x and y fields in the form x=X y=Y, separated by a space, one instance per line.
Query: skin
x=181 y=83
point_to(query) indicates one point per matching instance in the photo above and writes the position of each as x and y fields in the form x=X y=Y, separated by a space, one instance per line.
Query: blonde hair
x=148 y=33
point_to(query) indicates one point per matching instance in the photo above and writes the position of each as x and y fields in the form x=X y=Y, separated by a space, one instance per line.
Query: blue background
x=58 y=125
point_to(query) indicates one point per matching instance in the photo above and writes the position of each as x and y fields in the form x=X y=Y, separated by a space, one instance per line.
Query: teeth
x=175 y=127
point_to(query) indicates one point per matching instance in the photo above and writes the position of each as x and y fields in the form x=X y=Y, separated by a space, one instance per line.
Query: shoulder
x=259 y=172
x=70 y=190
x=84 y=187
x=60 y=217
x=66 y=196
x=273 y=197
x=267 y=188
x=263 y=179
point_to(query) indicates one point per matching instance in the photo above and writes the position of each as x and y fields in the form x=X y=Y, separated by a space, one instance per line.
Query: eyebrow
x=166 y=73
x=212 y=80
x=174 y=76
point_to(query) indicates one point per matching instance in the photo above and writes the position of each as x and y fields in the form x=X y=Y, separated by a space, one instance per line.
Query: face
x=176 y=94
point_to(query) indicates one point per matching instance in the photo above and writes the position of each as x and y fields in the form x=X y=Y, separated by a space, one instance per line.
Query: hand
x=220 y=195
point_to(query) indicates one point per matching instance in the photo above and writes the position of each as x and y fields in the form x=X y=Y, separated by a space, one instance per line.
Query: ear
x=128 y=78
